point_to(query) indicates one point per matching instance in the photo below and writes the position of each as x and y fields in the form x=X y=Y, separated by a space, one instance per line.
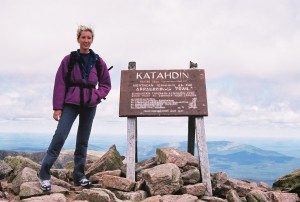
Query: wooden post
x=131 y=145
x=131 y=140
x=191 y=125
x=203 y=155
x=191 y=135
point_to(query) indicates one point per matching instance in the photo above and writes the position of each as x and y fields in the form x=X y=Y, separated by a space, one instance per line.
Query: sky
x=248 y=49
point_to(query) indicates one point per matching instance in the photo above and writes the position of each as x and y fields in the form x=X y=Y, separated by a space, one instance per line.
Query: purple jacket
x=62 y=95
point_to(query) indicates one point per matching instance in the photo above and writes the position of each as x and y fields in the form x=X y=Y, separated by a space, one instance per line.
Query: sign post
x=153 y=93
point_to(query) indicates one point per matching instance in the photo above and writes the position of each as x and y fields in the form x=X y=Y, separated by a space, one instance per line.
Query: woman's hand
x=57 y=114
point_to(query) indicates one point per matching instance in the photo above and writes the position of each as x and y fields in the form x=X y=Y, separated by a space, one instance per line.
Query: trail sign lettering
x=163 y=93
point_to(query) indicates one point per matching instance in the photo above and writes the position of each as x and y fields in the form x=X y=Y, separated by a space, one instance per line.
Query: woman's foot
x=45 y=185
x=83 y=182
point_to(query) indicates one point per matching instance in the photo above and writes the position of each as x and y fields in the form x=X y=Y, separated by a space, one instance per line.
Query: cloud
x=249 y=50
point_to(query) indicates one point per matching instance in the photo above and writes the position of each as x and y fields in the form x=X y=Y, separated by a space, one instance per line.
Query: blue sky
x=249 y=50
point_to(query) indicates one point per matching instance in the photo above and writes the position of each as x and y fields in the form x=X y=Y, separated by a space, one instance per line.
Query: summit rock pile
x=170 y=176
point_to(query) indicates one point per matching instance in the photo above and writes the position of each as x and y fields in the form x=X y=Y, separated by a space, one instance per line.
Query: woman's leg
x=64 y=125
x=86 y=118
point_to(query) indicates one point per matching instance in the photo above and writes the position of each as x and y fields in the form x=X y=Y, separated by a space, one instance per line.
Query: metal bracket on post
x=131 y=139
x=131 y=65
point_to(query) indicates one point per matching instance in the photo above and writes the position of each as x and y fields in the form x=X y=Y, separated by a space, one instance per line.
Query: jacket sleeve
x=104 y=84
x=60 y=85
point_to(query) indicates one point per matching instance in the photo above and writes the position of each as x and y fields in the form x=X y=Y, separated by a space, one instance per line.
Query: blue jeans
x=69 y=114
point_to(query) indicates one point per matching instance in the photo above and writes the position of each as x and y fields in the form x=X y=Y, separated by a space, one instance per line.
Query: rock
x=219 y=187
x=97 y=178
x=131 y=196
x=18 y=163
x=30 y=189
x=162 y=179
x=195 y=189
x=26 y=175
x=156 y=198
x=219 y=178
x=57 y=197
x=178 y=157
x=145 y=164
x=289 y=182
x=111 y=160
x=3 y=185
x=263 y=186
x=213 y=199
x=62 y=174
x=5 y=169
x=241 y=187
x=118 y=183
x=232 y=196
x=257 y=196
x=34 y=156
x=64 y=157
x=283 y=197
x=191 y=176
x=59 y=182
x=97 y=194
x=179 y=198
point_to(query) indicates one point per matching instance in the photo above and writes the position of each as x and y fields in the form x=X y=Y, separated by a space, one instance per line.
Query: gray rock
x=162 y=179
x=191 y=176
x=26 y=175
x=178 y=157
x=5 y=169
x=131 y=196
x=283 y=197
x=111 y=160
x=57 y=197
x=179 y=198
x=156 y=198
x=194 y=189
x=119 y=183
x=18 y=163
x=30 y=189
x=232 y=196
x=257 y=196
x=96 y=195
x=289 y=182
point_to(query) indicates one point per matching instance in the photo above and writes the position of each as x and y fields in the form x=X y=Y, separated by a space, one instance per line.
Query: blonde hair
x=82 y=28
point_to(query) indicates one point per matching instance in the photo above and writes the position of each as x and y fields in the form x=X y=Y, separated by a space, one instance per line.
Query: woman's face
x=85 y=40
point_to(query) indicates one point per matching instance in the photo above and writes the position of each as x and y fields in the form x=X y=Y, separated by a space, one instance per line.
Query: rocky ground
x=164 y=178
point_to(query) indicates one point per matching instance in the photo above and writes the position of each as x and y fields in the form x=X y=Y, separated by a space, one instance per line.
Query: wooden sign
x=163 y=93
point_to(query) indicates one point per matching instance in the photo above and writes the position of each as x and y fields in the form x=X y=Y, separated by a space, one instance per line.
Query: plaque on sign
x=163 y=93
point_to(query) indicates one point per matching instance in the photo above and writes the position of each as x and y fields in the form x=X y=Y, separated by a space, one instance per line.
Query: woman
x=75 y=93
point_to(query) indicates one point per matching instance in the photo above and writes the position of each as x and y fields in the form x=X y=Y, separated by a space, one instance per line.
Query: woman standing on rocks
x=82 y=81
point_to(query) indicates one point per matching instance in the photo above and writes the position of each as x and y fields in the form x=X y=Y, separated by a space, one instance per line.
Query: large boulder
x=136 y=196
x=179 y=198
x=111 y=160
x=26 y=175
x=61 y=162
x=260 y=196
x=162 y=179
x=119 y=183
x=97 y=194
x=5 y=169
x=31 y=189
x=18 y=163
x=194 y=189
x=289 y=182
x=56 y=197
x=191 y=176
x=178 y=157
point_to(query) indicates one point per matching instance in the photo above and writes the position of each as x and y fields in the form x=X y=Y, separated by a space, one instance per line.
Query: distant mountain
x=240 y=161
